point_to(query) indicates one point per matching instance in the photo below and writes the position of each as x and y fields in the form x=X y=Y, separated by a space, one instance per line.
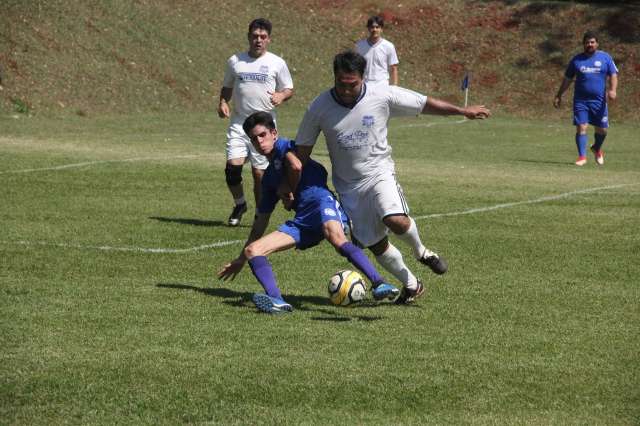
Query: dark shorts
x=306 y=226
x=592 y=112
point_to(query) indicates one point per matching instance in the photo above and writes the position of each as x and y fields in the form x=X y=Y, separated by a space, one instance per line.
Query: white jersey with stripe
x=252 y=79
x=379 y=56
x=357 y=137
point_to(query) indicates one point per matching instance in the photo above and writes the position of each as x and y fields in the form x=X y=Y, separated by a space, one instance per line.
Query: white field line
x=131 y=249
x=233 y=242
x=520 y=203
x=98 y=162
x=436 y=123
x=93 y=163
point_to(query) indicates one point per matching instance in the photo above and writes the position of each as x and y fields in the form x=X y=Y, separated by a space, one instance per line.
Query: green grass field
x=113 y=229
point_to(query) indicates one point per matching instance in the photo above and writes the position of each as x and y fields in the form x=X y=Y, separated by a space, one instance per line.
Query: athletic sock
x=392 y=261
x=261 y=268
x=412 y=238
x=239 y=201
x=360 y=260
x=599 y=140
x=581 y=143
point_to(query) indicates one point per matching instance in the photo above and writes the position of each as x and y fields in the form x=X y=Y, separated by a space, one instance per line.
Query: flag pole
x=465 y=87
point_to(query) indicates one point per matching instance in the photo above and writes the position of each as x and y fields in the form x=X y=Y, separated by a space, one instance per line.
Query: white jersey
x=357 y=137
x=379 y=56
x=252 y=78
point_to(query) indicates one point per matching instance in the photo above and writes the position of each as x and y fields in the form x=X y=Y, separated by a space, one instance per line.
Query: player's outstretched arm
x=439 y=107
x=231 y=269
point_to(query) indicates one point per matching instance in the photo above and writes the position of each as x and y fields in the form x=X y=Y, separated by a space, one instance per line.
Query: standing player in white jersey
x=256 y=80
x=380 y=53
x=353 y=116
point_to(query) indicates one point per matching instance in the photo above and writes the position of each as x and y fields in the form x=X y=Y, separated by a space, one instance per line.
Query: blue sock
x=360 y=260
x=261 y=268
x=599 y=138
x=581 y=143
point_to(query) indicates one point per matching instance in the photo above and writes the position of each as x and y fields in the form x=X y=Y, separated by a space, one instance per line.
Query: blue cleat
x=271 y=305
x=384 y=291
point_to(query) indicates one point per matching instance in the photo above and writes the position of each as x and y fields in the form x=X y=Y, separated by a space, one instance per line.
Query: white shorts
x=369 y=204
x=239 y=146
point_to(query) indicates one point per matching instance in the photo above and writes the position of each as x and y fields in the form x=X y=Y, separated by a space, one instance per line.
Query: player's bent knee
x=380 y=247
x=398 y=224
x=233 y=174
x=253 y=250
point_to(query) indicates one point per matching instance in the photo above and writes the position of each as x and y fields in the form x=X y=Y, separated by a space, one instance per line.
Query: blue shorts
x=592 y=112
x=312 y=212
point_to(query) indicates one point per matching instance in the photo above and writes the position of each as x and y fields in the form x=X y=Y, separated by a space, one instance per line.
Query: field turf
x=113 y=229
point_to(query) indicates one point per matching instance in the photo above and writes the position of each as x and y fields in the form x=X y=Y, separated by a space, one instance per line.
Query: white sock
x=412 y=238
x=392 y=261
x=239 y=201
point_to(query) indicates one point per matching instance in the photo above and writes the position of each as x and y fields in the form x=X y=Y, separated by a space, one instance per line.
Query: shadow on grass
x=242 y=299
x=186 y=221
x=564 y=163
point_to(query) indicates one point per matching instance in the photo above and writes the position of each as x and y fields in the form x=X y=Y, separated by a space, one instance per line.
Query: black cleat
x=435 y=262
x=409 y=296
x=236 y=214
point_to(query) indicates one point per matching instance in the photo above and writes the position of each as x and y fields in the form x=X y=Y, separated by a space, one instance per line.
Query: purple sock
x=361 y=261
x=599 y=138
x=581 y=143
x=261 y=268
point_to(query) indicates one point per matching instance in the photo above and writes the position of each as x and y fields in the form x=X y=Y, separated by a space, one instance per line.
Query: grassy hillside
x=116 y=56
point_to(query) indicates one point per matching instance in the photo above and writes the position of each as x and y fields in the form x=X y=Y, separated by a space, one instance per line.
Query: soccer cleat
x=384 y=291
x=408 y=296
x=271 y=305
x=236 y=214
x=435 y=262
x=599 y=156
x=581 y=161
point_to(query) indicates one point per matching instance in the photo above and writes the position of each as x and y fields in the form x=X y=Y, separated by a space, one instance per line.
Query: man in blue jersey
x=591 y=70
x=318 y=216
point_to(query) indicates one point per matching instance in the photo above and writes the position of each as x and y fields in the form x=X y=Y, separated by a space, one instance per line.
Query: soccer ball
x=347 y=287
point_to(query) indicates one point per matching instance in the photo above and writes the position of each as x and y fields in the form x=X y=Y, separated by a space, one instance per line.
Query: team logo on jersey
x=597 y=63
x=277 y=164
x=329 y=212
x=264 y=69
x=589 y=70
x=368 y=121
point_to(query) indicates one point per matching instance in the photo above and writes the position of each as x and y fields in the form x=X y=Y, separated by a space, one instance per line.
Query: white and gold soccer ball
x=347 y=287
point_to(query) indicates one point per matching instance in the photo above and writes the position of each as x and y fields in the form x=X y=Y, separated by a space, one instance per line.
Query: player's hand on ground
x=477 y=112
x=231 y=269
x=223 y=110
x=276 y=98
x=557 y=101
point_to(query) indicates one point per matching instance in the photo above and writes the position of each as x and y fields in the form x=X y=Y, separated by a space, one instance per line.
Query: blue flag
x=465 y=82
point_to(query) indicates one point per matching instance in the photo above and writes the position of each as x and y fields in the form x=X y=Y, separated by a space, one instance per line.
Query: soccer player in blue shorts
x=591 y=70
x=318 y=216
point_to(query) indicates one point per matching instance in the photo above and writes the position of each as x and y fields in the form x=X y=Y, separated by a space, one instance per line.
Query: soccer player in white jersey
x=380 y=53
x=353 y=117
x=256 y=80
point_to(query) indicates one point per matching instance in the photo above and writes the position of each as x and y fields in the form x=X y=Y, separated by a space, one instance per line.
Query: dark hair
x=589 y=35
x=260 y=23
x=375 y=20
x=348 y=62
x=258 y=118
